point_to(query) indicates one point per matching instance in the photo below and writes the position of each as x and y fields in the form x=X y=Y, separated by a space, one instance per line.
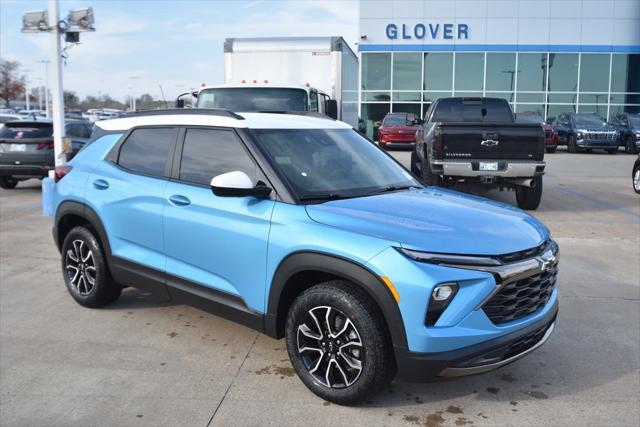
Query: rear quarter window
x=146 y=151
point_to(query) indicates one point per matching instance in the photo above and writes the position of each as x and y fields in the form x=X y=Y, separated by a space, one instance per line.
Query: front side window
x=331 y=163
x=211 y=152
x=146 y=151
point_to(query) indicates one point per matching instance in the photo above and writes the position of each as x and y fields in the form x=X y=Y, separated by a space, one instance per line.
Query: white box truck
x=287 y=74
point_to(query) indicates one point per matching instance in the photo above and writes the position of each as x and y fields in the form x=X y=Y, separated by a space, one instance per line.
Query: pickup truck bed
x=476 y=140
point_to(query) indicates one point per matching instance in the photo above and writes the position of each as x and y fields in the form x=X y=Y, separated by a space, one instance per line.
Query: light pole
x=133 y=84
x=46 y=84
x=26 y=89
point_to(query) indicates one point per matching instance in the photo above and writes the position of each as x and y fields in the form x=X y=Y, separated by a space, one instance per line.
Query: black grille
x=601 y=136
x=548 y=133
x=525 y=343
x=522 y=297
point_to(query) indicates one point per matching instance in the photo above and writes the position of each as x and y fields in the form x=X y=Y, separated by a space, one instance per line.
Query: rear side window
x=471 y=109
x=210 y=152
x=26 y=130
x=146 y=151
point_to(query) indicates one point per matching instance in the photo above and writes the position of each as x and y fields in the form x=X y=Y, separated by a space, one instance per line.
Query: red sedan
x=397 y=130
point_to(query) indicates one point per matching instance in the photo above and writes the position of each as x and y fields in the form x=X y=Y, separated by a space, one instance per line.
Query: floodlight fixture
x=35 y=21
x=80 y=20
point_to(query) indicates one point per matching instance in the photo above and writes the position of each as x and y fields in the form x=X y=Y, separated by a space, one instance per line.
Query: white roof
x=251 y=120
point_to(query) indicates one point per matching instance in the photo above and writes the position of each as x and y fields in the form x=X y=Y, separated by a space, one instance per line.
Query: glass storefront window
x=407 y=71
x=569 y=98
x=501 y=71
x=469 y=71
x=593 y=98
x=620 y=98
x=599 y=109
x=376 y=71
x=563 y=72
x=618 y=109
x=438 y=71
x=376 y=96
x=530 y=97
x=532 y=75
x=407 y=108
x=535 y=108
x=594 y=72
x=467 y=94
x=508 y=96
x=554 y=110
x=432 y=96
x=625 y=73
x=406 y=96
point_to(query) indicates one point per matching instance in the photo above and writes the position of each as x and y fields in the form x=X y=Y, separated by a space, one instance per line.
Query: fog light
x=443 y=292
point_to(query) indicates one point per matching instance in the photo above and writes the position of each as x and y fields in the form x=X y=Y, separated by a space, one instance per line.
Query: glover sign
x=427 y=31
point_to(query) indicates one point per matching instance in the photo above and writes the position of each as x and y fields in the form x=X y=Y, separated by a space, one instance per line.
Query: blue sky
x=176 y=44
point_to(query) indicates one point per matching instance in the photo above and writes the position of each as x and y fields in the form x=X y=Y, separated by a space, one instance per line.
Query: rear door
x=216 y=246
x=128 y=194
x=26 y=142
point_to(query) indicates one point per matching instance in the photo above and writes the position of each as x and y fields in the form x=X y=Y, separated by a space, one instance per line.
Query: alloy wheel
x=330 y=347
x=636 y=180
x=80 y=268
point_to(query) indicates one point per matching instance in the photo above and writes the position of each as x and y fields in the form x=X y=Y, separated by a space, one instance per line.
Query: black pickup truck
x=477 y=141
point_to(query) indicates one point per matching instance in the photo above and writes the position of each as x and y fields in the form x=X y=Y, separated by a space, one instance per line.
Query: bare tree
x=11 y=85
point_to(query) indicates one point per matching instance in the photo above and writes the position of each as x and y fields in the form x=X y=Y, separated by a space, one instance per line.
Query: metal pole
x=26 y=89
x=46 y=84
x=58 y=100
x=40 y=95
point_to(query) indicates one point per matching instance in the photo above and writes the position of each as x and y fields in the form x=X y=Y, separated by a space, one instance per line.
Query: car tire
x=571 y=144
x=551 y=149
x=635 y=177
x=528 y=198
x=85 y=270
x=428 y=177
x=613 y=150
x=8 y=182
x=630 y=146
x=319 y=323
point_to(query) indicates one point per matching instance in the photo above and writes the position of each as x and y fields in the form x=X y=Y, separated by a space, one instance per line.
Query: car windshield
x=529 y=118
x=590 y=120
x=634 y=121
x=26 y=130
x=395 y=120
x=331 y=163
x=254 y=99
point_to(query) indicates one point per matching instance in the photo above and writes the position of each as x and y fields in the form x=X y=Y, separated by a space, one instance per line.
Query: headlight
x=579 y=135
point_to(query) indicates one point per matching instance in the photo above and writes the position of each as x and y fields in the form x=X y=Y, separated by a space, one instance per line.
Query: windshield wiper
x=327 y=196
x=391 y=188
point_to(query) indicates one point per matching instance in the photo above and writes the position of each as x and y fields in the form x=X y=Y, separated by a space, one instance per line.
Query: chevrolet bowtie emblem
x=489 y=143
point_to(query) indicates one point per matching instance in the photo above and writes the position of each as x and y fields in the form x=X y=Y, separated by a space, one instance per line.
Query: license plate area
x=18 y=148
x=488 y=166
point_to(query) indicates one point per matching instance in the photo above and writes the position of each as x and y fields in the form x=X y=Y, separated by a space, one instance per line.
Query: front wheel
x=528 y=198
x=571 y=144
x=337 y=342
x=630 y=146
x=85 y=270
x=8 y=182
x=636 y=179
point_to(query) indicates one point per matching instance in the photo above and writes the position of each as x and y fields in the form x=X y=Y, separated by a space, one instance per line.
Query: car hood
x=605 y=128
x=435 y=220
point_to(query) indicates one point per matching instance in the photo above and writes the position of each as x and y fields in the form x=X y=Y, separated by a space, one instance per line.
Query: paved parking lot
x=144 y=361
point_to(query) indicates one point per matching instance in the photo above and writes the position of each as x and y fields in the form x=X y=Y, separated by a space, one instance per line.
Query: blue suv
x=299 y=227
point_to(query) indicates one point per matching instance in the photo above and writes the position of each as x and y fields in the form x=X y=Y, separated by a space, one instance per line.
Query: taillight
x=61 y=172
x=45 y=144
x=438 y=143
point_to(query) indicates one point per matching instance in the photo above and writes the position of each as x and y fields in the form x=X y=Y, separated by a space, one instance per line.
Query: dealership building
x=547 y=56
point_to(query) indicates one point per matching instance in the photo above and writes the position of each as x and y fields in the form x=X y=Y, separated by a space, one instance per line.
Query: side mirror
x=237 y=184
x=331 y=108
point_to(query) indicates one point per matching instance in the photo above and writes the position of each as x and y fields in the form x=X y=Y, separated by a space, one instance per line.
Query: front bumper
x=599 y=143
x=478 y=358
x=506 y=168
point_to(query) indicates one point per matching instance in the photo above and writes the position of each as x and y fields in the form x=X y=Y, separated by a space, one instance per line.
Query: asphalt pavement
x=145 y=361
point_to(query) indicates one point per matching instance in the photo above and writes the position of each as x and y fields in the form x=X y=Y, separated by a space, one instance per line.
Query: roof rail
x=184 y=111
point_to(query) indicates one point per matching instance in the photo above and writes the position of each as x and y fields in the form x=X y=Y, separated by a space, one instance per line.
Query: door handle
x=179 y=200
x=100 y=184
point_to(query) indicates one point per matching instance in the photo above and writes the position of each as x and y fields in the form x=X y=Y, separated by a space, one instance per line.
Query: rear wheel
x=551 y=149
x=571 y=144
x=85 y=270
x=8 y=182
x=630 y=146
x=429 y=177
x=337 y=342
x=528 y=198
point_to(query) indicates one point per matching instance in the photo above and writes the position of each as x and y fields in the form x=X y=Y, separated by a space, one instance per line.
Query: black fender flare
x=82 y=210
x=354 y=272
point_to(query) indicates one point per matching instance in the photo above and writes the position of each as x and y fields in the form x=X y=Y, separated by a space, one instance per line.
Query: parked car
x=629 y=127
x=397 y=130
x=26 y=148
x=550 y=134
x=635 y=175
x=32 y=114
x=585 y=132
x=478 y=141
x=301 y=228
x=6 y=117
